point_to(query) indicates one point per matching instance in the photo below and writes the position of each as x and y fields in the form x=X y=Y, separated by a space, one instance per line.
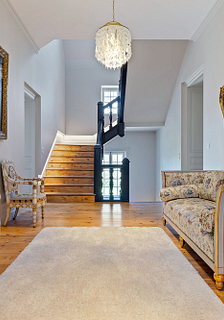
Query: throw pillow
x=180 y=192
x=212 y=181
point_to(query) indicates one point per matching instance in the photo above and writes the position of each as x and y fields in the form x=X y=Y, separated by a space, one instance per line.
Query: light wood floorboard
x=19 y=233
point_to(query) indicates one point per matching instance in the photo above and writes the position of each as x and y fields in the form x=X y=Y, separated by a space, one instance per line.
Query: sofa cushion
x=183 y=178
x=212 y=181
x=185 y=214
x=180 y=192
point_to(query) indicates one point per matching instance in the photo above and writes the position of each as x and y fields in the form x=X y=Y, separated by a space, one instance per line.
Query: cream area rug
x=105 y=274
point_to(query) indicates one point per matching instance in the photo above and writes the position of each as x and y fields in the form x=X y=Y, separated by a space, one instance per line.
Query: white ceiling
x=46 y=20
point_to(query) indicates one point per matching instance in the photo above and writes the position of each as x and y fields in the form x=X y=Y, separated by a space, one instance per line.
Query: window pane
x=106 y=158
x=114 y=159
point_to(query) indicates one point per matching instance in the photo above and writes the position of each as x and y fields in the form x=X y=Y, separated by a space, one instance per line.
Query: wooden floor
x=17 y=234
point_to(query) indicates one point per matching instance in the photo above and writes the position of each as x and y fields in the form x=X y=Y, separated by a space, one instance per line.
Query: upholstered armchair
x=26 y=200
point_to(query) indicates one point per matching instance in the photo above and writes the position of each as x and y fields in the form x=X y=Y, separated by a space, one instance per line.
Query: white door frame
x=35 y=97
x=195 y=78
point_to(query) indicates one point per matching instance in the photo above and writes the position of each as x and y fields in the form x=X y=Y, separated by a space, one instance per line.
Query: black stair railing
x=107 y=130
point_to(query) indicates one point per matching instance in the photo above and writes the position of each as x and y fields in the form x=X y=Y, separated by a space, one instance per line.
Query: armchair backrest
x=10 y=178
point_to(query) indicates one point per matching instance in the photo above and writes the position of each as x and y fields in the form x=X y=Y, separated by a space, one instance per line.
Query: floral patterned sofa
x=193 y=204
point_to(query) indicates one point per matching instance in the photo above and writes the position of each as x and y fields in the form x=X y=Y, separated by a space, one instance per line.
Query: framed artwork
x=221 y=99
x=4 y=60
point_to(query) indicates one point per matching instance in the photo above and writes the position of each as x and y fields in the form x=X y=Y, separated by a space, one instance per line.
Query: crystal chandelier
x=113 y=44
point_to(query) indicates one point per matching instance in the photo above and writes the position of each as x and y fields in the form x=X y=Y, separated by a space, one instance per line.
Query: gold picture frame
x=221 y=99
x=4 y=60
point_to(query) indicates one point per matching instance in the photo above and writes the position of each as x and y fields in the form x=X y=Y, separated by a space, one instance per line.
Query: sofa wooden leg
x=182 y=242
x=219 y=280
x=164 y=221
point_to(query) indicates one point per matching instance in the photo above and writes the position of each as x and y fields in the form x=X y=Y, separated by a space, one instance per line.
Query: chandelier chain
x=113 y=10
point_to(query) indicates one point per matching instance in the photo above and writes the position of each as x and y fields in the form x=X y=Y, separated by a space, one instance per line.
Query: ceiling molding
x=20 y=24
x=207 y=19
x=195 y=76
x=143 y=126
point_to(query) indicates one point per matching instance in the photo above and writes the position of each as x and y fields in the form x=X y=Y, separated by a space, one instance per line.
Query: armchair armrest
x=33 y=181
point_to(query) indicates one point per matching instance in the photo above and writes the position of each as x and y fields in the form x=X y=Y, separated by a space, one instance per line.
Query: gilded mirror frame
x=4 y=60
x=221 y=99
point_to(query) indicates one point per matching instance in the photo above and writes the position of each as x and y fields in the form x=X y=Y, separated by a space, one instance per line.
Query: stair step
x=72 y=159
x=74 y=147
x=69 y=172
x=69 y=188
x=76 y=154
x=83 y=180
x=70 y=165
x=55 y=197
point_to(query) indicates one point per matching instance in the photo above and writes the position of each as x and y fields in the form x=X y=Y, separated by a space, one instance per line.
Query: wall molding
x=194 y=77
x=20 y=24
x=29 y=92
x=207 y=19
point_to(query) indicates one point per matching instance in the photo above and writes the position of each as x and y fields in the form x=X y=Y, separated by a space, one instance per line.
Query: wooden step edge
x=78 y=162
x=68 y=194
x=76 y=145
x=73 y=151
x=67 y=185
x=69 y=169
x=74 y=156
x=72 y=177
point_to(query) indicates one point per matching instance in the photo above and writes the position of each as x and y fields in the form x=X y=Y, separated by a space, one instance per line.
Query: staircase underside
x=70 y=174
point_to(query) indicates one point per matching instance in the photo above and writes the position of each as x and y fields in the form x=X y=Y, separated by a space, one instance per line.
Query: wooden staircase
x=70 y=175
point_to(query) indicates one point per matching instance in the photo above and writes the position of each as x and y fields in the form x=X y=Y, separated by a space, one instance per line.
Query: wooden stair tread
x=78 y=162
x=73 y=156
x=70 y=169
x=72 y=166
x=68 y=185
x=78 y=177
x=69 y=194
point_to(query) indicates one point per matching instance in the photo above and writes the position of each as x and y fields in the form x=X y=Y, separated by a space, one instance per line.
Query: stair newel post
x=125 y=180
x=111 y=184
x=97 y=172
x=98 y=155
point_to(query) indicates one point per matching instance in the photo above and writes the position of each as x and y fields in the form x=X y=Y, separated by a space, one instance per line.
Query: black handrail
x=103 y=137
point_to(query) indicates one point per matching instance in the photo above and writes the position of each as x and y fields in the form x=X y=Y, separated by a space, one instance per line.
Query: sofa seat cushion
x=180 y=192
x=174 y=179
x=185 y=214
x=212 y=181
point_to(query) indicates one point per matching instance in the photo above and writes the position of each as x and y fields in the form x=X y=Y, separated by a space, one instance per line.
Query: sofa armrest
x=219 y=233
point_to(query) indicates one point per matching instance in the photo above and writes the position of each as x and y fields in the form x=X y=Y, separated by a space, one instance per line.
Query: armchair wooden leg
x=182 y=242
x=42 y=210
x=34 y=216
x=219 y=280
x=8 y=210
x=15 y=215
x=164 y=221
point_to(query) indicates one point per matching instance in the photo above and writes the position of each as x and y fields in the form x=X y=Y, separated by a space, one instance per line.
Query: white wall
x=83 y=91
x=140 y=149
x=207 y=50
x=44 y=73
x=152 y=73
